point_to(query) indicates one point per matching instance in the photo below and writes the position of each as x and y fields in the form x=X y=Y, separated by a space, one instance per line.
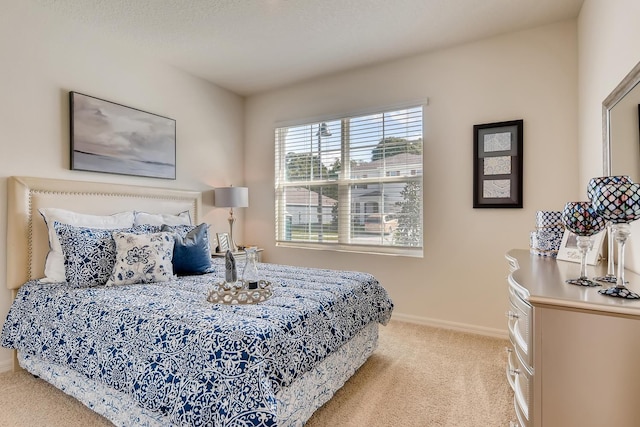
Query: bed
x=158 y=353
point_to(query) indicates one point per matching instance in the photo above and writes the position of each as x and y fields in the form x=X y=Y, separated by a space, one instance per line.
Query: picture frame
x=568 y=250
x=223 y=242
x=498 y=164
x=113 y=138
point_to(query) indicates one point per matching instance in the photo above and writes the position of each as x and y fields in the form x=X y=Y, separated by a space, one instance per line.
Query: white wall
x=608 y=49
x=461 y=279
x=42 y=61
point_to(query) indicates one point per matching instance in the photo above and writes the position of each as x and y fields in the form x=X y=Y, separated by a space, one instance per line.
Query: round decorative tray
x=239 y=293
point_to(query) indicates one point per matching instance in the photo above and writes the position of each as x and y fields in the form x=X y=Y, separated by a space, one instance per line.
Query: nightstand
x=239 y=255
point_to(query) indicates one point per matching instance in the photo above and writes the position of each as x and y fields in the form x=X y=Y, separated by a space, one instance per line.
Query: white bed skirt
x=295 y=403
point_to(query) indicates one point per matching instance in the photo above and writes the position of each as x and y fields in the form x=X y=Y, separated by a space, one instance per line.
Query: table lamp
x=231 y=197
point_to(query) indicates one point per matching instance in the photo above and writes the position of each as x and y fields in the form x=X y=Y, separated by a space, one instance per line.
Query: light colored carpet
x=419 y=376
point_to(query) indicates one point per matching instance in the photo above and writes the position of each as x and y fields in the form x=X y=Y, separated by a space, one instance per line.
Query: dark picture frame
x=112 y=138
x=497 y=164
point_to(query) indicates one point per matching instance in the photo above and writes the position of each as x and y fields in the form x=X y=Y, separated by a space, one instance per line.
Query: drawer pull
x=514 y=372
x=511 y=315
x=509 y=350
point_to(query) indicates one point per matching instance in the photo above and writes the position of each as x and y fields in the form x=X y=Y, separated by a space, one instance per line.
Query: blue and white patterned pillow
x=54 y=264
x=142 y=258
x=90 y=253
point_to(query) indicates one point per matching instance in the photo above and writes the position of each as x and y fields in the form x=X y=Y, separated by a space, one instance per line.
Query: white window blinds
x=354 y=183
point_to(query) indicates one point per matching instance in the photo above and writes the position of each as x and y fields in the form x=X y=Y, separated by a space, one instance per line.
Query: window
x=353 y=183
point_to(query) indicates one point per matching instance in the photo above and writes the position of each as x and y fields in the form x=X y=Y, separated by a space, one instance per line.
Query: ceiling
x=251 y=46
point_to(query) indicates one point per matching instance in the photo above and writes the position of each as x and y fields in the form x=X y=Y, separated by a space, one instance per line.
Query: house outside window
x=353 y=183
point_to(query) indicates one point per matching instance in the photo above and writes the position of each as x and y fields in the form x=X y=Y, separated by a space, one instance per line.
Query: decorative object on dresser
x=109 y=137
x=568 y=250
x=620 y=204
x=231 y=197
x=497 y=165
x=594 y=183
x=558 y=336
x=581 y=219
x=547 y=237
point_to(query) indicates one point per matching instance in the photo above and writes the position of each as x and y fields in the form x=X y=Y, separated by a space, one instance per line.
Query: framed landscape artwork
x=112 y=138
x=497 y=165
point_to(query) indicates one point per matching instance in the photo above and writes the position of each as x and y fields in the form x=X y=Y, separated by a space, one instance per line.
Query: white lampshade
x=231 y=197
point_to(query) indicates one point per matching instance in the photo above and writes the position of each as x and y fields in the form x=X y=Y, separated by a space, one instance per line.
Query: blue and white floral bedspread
x=195 y=362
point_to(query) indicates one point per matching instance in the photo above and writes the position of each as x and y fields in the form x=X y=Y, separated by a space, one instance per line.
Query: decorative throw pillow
x=192 y=250
x=54 y=269
x=142 y=258
x=89 y=253
x=183 y=218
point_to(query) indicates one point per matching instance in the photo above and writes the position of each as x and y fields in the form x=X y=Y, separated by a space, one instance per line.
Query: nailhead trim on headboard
x=30 y=237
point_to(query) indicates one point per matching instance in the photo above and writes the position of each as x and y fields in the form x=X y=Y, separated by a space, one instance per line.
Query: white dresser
x=574 y=359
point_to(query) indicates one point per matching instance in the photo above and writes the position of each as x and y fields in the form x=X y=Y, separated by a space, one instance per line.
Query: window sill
x=358 y=249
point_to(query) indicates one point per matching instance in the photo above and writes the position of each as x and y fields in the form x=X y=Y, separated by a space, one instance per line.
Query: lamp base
x=232 y=243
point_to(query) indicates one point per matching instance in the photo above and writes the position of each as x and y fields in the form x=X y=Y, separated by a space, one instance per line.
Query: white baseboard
x=462 y=327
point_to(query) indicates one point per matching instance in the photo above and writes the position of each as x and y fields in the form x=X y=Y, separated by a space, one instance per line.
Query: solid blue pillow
x=191 y=251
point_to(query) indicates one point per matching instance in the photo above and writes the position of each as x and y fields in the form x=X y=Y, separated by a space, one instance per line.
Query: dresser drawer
x=519 y=323
x=511 y=366
x=523 y=391
x=522 y=420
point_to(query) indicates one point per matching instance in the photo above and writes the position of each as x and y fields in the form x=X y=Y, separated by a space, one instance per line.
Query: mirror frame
x=626 y=85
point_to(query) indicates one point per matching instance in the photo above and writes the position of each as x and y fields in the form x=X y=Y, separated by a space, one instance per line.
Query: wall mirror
x=621 y=128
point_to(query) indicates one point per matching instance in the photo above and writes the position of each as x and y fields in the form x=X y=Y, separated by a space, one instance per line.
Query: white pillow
x=183 y=218
x=142 y=258
x=54 y=265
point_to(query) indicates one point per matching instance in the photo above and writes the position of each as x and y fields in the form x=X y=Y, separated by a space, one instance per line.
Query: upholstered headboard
x=27 y=242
